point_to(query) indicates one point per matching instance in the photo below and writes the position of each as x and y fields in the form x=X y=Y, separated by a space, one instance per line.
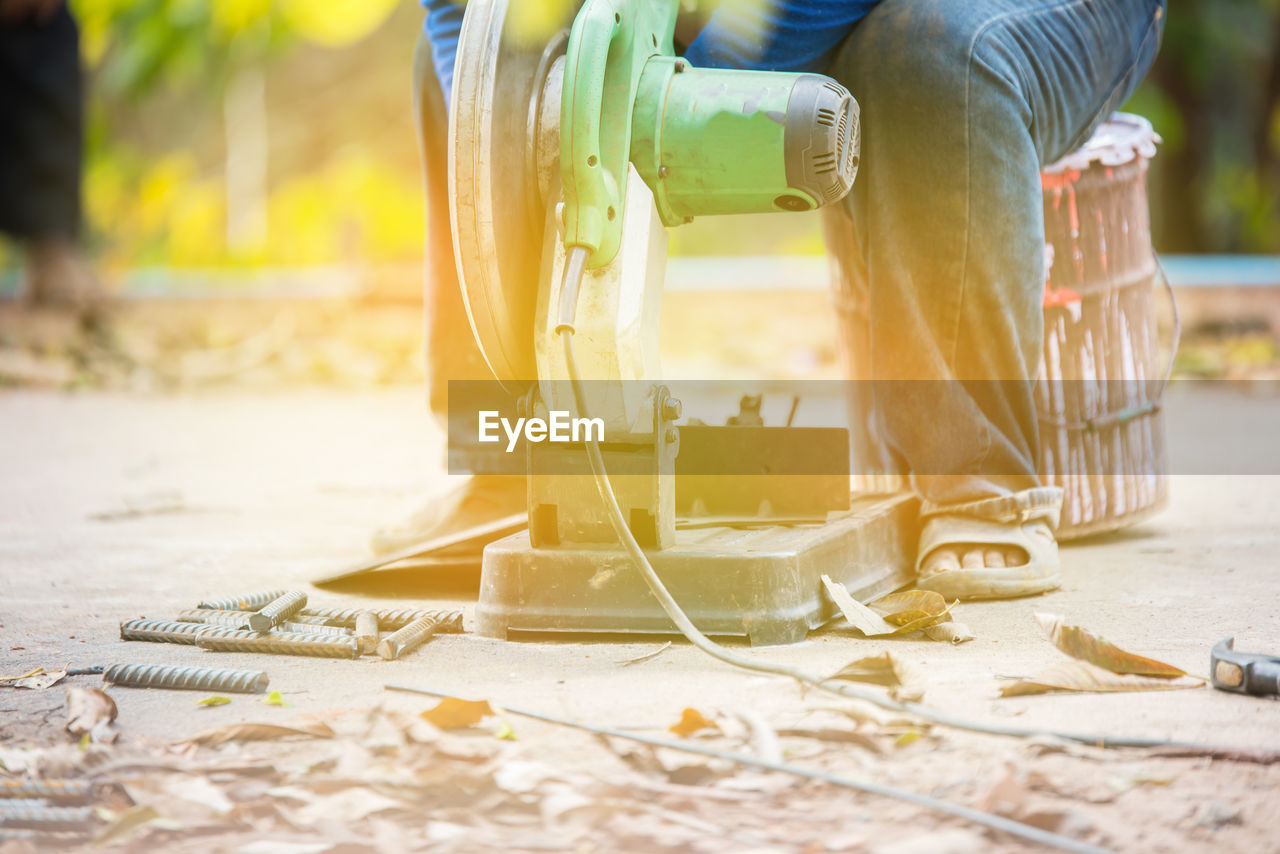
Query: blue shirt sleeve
x=443 y=26
x=761 y=35
x=776 y=35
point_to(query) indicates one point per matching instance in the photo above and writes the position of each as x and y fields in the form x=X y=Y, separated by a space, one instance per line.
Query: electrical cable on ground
x=995 y=822
x=574 y=269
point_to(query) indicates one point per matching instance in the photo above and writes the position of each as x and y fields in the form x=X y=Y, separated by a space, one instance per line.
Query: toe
x=993 y=559
x=1014 y=557
x=941 y=560
x=972 y=559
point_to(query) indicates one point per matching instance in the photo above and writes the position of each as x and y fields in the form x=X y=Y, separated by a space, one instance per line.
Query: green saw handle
x=609 y=44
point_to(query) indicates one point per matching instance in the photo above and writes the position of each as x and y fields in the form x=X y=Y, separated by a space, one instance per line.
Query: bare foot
x=971 y=556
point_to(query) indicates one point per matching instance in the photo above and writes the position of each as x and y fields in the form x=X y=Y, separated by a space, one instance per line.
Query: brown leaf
x=261 y=732
x=40 y=681
x=949 y=632
x=453 y=713
x=859 y=616
x=912 y=610
x=90 y=711
x=902 y=613
x=691 y=721
x=1086 y=646
x=1083 y=676
x=882 y=669
x=845 y=736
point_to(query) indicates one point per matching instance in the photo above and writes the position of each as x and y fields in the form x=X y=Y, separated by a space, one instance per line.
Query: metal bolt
x=662 y=171
x=318 y=629
x=247 y=602
x=39 y=816
x=282 y=643
x=389 y=619
x=212 y=617
x=366 y=632
x=187 y=678
x=276 y=612
x=672 y=409
x=54 y=790
x=415 y=634
x=671 y=435
x=161 y=631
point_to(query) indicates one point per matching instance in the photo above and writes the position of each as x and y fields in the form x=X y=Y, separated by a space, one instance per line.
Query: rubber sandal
x=1024 y=521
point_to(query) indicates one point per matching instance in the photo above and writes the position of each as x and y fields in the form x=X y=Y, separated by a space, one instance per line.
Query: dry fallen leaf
x=912 y=610
x=261 y=732
x=123 y=826
x=895 y=614
x=1083 y=676
x=691 y=721
x=90 y=712
x=453 y=713
x=275 y=698
x=904 y=681
x=844 y=736
x=1086 y=646
x=859 y=616
x=949 y=632
x=40 y=681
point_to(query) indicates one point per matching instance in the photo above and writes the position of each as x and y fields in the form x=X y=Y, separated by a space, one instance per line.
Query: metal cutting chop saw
x=569 y=157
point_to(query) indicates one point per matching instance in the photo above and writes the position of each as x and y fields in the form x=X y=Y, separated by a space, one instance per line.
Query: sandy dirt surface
x=114 y=506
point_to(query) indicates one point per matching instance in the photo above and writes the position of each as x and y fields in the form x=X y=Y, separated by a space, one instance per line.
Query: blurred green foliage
x=1214 y=95
x=344 y=179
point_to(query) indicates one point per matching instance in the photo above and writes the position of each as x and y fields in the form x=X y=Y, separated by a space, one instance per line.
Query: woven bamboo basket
x=1098 y=397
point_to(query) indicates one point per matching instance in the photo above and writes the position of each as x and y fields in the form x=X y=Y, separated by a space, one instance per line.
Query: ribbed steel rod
x=294 y=627
x=214 y=617
x=413 y=635
x=282 y=643
x=54 y=790
x=187 y=678
x=41 y=816
x=161 y=631
x=366 y=632
x=277 y=611
x=245 y=602
x=389 y=619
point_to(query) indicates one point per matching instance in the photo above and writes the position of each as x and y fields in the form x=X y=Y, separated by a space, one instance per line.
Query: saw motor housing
x=621 y=138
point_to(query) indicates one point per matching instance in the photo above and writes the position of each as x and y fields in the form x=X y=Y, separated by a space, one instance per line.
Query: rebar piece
x=214 y=617
x=247 y=602
x=366 y=632
x=187 y=678
x=282 y=643
x=276 y=612
x=294 y=627
x=389 y=619
x=53 y=790
x=40 y=816
x=161 y=631
x=303 y=617
x=412 y=636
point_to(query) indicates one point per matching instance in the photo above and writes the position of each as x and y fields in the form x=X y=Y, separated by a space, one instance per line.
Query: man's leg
x=40 y=156
x=961 y=106
x=451 y=351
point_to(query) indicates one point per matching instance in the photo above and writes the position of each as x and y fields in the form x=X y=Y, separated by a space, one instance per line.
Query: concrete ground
x=114 y=506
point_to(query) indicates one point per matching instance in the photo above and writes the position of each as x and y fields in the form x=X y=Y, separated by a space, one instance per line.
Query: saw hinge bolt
x=672 y=409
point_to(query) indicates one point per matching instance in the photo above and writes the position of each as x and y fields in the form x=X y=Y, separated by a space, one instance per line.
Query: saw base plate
x=763 y=583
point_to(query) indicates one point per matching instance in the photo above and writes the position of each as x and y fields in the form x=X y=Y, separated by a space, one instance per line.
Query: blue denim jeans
x=962 y=103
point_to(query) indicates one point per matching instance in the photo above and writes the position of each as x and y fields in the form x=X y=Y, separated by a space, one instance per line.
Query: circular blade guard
x=497 y=215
